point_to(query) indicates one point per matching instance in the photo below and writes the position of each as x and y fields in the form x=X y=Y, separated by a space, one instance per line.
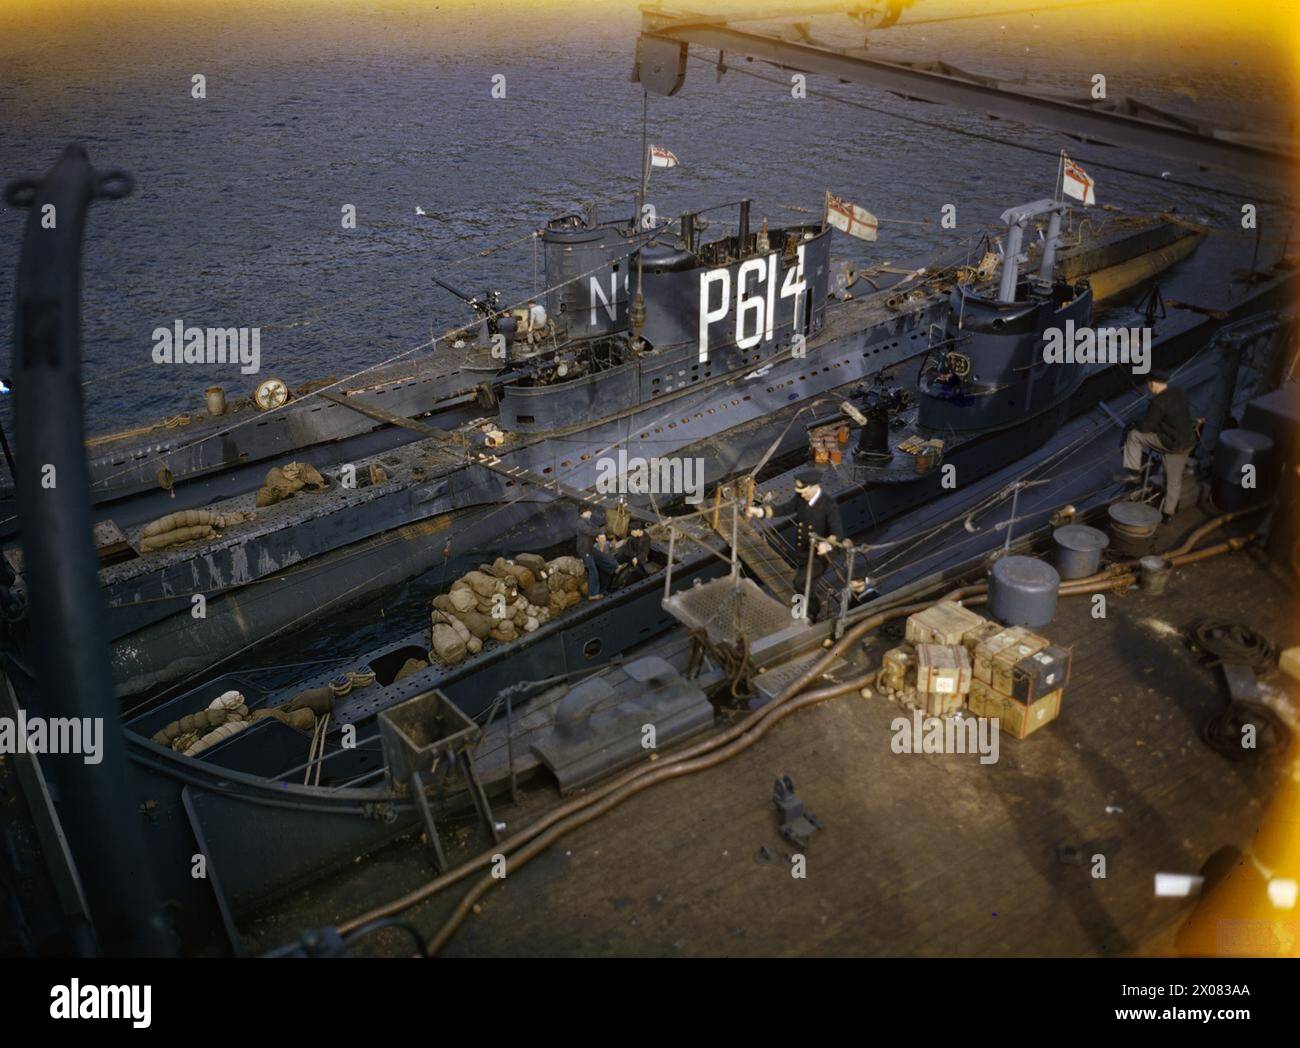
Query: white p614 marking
x=755 y=309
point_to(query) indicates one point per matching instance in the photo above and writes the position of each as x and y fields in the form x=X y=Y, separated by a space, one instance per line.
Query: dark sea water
x=236 y=216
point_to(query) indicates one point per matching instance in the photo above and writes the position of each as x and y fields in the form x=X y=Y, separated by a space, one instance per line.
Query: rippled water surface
x=236 y=217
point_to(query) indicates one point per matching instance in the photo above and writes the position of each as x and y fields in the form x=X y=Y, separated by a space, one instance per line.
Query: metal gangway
x=752 y=617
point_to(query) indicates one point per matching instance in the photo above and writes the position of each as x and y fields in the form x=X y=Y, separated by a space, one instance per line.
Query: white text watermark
x=1104 y=345
x=179 y=344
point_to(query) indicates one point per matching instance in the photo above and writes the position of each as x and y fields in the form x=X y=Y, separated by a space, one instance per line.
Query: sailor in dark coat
x=1167 y=427
x=818 y=528
x=634 y=555
x=592 y=545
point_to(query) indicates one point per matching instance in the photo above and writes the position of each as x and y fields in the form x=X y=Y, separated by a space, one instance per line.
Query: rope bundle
x=1225 y=731
x=1226 y=641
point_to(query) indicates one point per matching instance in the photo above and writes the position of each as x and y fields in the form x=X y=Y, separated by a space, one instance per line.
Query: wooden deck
x=921 y=854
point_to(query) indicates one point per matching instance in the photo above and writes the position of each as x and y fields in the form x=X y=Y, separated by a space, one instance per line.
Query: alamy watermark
x=55 y=735
x=922 y=734
x=75 y=1001
x=620 y=475
x=1104 y=345
x=179 y=344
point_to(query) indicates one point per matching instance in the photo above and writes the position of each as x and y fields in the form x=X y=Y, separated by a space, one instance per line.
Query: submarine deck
x=921 y=854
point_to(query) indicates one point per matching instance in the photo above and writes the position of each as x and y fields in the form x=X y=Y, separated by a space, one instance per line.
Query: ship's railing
x=763 y=554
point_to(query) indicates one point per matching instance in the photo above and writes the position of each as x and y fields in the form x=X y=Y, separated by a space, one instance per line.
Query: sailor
x=536 y=320
x=818 y=530
x=634 y=555
x=1167 y=427
x=592 y=546
x=947 y=382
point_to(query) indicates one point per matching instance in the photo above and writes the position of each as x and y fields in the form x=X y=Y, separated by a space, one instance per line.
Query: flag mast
x=636 y=312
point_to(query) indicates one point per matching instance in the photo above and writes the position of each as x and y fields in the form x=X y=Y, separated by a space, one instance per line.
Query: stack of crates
x=1019 y=677
x=953 y=657
x=932 y=669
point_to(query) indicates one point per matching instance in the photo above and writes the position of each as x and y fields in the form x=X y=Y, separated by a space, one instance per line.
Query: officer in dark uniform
x=818 y=528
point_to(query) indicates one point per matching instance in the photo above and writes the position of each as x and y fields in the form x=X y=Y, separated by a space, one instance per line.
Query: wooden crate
x=982 y=664
x=1001 y=652
x=942 y=669
x=939 y=703
x=110 y=544
x=1014 y=718
x=975 y=636
x=944 y=623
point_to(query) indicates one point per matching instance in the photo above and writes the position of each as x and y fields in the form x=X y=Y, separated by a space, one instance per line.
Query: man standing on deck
x=537 y=320
x=1167 y=427
x=591 y=544
x=818 y=529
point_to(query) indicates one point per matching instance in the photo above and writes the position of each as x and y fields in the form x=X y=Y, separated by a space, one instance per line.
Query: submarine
x=734 y=328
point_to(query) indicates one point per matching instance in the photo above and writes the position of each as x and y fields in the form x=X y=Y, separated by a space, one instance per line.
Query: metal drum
x=1023 y=591
x=1078 y=550
x=1235 y=450
x=1133 y=527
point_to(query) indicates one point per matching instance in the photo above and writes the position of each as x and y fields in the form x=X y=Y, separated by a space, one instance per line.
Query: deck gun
x=876 y=406
x=488 y=310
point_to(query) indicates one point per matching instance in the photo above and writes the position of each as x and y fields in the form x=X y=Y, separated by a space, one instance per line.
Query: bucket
x=1078 y=550
x=1154 y=577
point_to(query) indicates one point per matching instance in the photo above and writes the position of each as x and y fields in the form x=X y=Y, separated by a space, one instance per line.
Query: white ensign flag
x=661 y=157
x=1076 y=182
x=849 y=218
